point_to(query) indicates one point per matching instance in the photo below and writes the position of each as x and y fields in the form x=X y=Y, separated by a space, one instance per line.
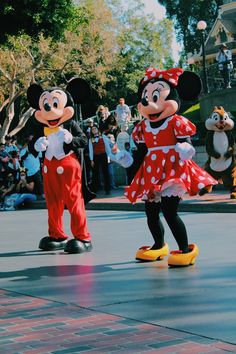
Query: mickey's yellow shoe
x=179 y=259
x=145 y=253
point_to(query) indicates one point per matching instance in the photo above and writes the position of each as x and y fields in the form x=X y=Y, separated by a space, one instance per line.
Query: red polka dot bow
x=171 y=75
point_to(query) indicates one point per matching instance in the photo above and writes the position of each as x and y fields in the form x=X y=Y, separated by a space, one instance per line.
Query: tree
x=186 y=14
x=143 y=41
x=33 y=17
x=86 y=50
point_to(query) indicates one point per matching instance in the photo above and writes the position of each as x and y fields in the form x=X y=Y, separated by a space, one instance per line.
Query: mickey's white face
x=52 y=110
x=219 y=121
x=154 y=105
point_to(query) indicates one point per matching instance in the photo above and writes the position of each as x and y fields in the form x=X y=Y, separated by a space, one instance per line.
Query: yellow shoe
x=146 y=254
x=179 y=259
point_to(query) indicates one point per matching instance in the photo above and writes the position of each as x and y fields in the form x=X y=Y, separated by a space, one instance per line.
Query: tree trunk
x=7 y=121
x=22 y=121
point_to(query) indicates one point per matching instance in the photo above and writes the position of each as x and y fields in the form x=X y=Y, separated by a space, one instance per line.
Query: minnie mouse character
x=60 y=139
x=167 y=171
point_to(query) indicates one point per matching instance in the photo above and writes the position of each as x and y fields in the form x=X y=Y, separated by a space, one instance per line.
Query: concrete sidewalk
x=105 y=301
x=216 y=202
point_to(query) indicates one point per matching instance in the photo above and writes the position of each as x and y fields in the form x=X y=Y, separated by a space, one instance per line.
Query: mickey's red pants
x=62 y=186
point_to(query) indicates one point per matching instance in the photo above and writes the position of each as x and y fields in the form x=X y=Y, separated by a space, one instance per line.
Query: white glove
x=64 y=136
x=123 y=158
x=41 y=144
x=186 y=151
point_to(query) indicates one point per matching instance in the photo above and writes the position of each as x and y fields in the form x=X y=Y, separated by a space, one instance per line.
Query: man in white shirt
x=122 y=113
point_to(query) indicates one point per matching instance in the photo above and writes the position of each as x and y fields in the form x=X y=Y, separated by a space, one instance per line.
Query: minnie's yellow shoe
x=145 y=253
x=179 y=259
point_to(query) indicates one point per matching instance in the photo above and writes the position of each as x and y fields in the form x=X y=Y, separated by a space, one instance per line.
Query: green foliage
x=33 y=17
x=103 y=41
x=143 y=42
x=193 y=113
x=186 y=14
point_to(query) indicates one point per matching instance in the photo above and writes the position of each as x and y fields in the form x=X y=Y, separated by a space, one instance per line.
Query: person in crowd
x=21 y=193
x=9 y=146
x=13 y=164
x=8 y=186
x=122 y=113
x=102 y=115
x=112 y=126
x=89 y=123
x=111 y=163
x=14 y=143
x=32 y=165
x=87 y=127
x=4 y=158
x=224 y=59
x=99 y=150
x=129 y=175
x=123 y=137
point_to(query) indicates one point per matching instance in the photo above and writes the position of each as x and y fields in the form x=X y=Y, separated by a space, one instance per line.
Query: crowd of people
x=20 y=171
x=107 y=133
x=20 y=174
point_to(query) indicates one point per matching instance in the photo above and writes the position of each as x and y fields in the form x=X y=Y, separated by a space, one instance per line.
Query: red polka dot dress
x=162 y=173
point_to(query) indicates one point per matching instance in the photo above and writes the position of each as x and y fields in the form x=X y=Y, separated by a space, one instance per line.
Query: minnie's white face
x=52 y=108
x=154 y=105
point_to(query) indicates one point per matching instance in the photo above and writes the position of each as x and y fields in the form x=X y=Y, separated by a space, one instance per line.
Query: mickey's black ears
x=33 y=94
x=189 y=86
x=79 y=90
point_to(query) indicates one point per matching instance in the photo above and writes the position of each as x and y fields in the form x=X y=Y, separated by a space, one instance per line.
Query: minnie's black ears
x=79 y=89
x=189 y=86
x=33 y=94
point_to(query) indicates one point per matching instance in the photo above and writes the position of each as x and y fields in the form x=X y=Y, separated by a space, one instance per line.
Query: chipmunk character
x=60 y=139
x=166 y=171
x=220 y=148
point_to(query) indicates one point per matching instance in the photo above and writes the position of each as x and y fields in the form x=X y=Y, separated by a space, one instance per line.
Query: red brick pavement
x=30 y=325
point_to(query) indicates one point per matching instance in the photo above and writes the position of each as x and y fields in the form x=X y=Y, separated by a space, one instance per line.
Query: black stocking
x=169 y=206
x=156 y=228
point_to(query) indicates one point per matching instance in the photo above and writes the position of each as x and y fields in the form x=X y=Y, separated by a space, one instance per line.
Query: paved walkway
x=105 y=301
x=31 y=325
x=217 y=202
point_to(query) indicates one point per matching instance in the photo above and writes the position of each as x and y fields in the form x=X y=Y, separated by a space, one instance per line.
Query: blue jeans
x=16 y=199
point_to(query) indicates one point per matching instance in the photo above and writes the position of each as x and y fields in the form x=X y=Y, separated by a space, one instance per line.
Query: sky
x=152 y=6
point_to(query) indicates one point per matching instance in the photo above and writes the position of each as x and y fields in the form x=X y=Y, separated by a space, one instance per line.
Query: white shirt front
x=55 y=147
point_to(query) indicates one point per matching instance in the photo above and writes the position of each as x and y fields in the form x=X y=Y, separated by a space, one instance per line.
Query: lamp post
x=201 y=26
x=190 y=62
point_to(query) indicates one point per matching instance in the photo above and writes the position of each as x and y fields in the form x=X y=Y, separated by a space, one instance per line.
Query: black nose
x=144 y=102
x=47 y=107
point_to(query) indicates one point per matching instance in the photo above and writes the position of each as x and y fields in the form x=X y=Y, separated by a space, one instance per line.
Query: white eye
x=45 y=101
x=55 y=102
x=155 y=95
x=226 y=117
x=46 y=105
x=145 y=95
x=215 y=116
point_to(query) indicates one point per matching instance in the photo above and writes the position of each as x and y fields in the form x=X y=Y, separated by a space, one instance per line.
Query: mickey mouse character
x=60 y=139
x=167 y=171
x=220 y=148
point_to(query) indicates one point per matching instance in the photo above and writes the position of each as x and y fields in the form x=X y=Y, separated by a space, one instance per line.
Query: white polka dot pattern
x=60 y=170
x=162 y=168
x=153 y=157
